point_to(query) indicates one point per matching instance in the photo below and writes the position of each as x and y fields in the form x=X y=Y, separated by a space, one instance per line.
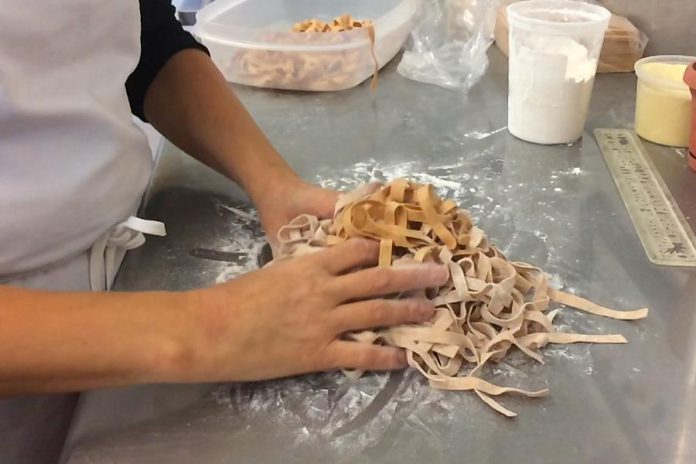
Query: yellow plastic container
x=663 y=100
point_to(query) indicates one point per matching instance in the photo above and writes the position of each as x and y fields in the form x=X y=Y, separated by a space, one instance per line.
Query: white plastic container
x=554 y=50
x=252 y=43
x=663 y=100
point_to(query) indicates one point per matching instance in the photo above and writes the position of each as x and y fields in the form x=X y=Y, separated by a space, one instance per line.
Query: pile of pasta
x=334 y=69
x=488 y=306
x=339 y=24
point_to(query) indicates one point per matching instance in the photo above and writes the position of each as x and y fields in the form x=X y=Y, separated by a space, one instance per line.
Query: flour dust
x=340 y=419
x=243 y=242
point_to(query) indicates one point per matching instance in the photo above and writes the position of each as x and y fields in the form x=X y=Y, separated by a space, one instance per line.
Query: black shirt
x=161 y=37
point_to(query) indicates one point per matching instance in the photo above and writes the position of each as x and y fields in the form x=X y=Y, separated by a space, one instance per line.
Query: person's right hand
x=288 y=318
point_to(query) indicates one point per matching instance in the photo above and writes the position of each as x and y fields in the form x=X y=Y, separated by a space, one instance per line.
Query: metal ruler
x=666 y=236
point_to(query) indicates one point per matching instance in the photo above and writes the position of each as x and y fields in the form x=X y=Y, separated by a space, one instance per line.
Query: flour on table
x=329 y=411
x=245 y=240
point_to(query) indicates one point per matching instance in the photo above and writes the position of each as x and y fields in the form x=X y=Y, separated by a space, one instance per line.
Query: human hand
x=288 y=318
x=284 y=201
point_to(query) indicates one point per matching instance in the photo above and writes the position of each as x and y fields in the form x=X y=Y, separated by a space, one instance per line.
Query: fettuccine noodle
x=489 y=304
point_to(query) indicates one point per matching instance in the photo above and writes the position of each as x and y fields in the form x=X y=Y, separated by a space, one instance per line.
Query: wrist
x=274 y=188
x=178 y=352
x=201 y=341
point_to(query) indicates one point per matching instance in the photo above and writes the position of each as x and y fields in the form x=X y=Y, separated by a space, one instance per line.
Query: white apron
x=73 y=168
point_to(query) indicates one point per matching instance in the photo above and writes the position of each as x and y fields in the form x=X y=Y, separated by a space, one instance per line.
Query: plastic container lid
x=656 y=79
x=246 y=23
x=563 y=17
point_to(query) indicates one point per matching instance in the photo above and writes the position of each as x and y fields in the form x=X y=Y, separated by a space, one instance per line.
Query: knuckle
x=366 y=359
x=421 y=309
x=380 y=312
x=412 y=310
x=313 y=279
x=320 y=261
x=389 y=359
x=324 y=362
x=360 y=248
x=330 y=359
x=360 y=244
x=371 y=247
x=313 y=282
x=381 y=280
x=392 y=359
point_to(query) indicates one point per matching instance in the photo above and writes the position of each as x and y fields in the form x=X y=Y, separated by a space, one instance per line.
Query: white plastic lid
x=558 y=16
x=645 y=74
x=249 y=23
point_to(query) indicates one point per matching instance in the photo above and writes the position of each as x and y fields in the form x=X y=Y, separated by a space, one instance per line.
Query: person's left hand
x=283 y=203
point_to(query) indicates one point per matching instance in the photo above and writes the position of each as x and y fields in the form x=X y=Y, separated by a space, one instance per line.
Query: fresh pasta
x=488 y=306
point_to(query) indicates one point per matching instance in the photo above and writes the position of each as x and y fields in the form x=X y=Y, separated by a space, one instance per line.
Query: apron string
x=107 y=252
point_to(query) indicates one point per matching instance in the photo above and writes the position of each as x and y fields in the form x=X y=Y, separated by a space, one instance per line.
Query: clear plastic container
x=554 y=50
x=186 y=10
x=252 y=42
x=663 y=100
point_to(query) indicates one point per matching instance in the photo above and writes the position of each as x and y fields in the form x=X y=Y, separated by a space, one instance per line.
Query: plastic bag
x=449 y=43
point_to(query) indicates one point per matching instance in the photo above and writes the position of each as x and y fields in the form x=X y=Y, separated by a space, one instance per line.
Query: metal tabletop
x=555 y=207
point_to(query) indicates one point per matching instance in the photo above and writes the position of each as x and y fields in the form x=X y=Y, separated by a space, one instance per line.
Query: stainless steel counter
x=552 y=206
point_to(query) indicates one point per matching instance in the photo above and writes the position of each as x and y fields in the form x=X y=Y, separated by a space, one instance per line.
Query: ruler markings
x=662 y=228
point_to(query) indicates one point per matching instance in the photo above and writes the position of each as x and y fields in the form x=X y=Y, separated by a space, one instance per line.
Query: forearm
x=192 y=105
x=57 y=342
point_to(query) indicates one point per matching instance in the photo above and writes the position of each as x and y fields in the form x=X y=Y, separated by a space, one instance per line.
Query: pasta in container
x=262 y=44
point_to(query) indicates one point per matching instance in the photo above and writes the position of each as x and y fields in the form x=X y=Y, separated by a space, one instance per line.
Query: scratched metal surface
x=556 y=207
